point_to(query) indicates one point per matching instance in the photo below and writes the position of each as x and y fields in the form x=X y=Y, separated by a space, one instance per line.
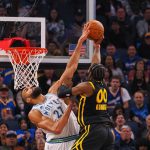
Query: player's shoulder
x=84 y=84
x=34 y=112
x=35 y=116
x=85 y=88
x=51 y=96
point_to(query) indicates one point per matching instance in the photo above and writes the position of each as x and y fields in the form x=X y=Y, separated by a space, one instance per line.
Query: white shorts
x=59 y=146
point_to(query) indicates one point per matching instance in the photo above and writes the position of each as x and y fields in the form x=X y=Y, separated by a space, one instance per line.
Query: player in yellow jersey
x=96 y=127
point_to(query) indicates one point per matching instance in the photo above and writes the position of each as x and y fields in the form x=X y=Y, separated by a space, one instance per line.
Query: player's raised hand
x=97 y=46
x=85 y=33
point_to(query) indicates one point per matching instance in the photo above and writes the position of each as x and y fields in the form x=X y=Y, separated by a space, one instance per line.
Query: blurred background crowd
x=125 y=54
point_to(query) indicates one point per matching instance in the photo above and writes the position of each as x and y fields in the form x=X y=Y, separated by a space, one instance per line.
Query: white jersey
x=53 y=108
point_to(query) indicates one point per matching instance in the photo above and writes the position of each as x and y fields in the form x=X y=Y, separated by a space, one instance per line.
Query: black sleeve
x=64 y=91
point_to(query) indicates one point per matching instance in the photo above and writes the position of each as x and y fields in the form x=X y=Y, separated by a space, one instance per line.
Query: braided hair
x=96 y=72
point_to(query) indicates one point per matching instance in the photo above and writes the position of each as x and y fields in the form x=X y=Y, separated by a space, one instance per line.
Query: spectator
x=119 y=121
x=6 y=101
x=53 y=47
x=33 y=42
x=24 y=9
x=10 y=119
x=143 y=25
x=40 y=144
x=112 y=51
x=140 y=65
x=125 y=25
x=55 y=25
x=118 y=110
x=43 y=8
x=131 y=58
x=82 y=76
x=1 y=79
x=145 y=47
x=126 y=5
x=116 y=35
x=3 y=131
x=77 y=25
x=25 y=135
x=107 y=7
x=39 y=136
x=2 y=76
x=11 y=141
x=5 y=28
x=109 y=62
x=8 y=76
x=65 y=49
x=139 y=82
x=139 y=111
x=144 y=141
x=117 y=95
x=147 y=129
x=20 y=104
x=144 y=144
x=148 y=68
x=47 y=79
x=107 y=76
x=125 y=142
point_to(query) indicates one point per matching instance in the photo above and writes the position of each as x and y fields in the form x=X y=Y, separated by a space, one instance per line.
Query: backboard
x=22 y=25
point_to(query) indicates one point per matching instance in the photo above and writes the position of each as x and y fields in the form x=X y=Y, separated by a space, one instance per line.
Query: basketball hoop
x=25 y=62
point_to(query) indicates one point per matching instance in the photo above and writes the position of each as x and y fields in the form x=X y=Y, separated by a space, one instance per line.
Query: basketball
x=96 y=30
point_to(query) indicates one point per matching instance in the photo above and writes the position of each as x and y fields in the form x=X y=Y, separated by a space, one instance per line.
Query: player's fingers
x=87 y=32
x=96 y=45
x=85 y=26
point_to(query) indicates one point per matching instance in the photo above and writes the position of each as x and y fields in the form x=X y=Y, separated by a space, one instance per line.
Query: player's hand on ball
x=85 y=33
x=96 y=46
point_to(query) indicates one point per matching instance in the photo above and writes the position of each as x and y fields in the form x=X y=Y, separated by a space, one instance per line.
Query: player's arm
x=72 y=63
x=48 y=124
x=96 y=58
x=74 y=59
x=83 y=88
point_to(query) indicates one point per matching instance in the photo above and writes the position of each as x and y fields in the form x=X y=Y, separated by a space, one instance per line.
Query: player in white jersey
x=50 y=113
x=54 y=108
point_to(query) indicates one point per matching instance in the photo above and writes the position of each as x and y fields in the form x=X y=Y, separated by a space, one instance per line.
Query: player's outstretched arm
x=48 y=124
x=72 y=63
x=96 y=58
x=83 y=88
x=74 y=59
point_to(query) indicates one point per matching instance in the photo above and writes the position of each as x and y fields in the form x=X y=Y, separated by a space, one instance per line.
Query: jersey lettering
x=101 y=100
x=46 y=113
x=56 y=101
x=58 y=112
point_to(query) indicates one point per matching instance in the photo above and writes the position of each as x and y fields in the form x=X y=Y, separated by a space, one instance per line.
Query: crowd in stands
x=125 y=54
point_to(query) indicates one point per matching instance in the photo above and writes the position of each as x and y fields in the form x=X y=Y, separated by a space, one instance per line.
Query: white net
x=25 y=62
